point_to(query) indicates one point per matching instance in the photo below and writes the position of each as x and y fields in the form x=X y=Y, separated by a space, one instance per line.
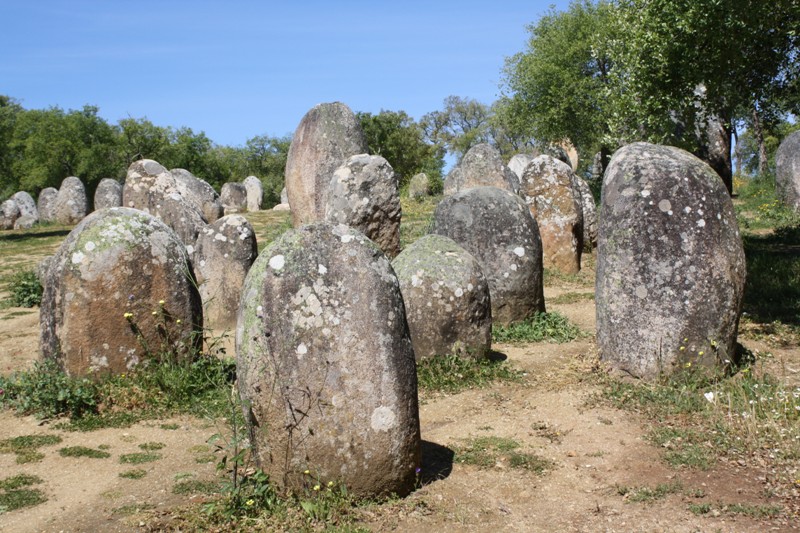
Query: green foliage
x=196 y=486
x=135 y=473
x=152 y=446
x=25 y=289
x=401 y=141
x=13 y=496
x=18 y=481
x=539 y=327
x=26 y=447
x=452 y=374
x=83 y=451
x=138 y=458
x=487 y=452
x=648 y=495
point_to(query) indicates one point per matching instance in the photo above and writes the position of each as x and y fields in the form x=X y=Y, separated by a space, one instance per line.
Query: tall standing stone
x=787 y=171
x=325 y=364
x=45 y=203
x=589 y=209
x=670 y=263
x=446 y=298
x=101 y=309
x=518 y=163
x=198 y=193
x=363 y=195
x=224 y=252
x=548 y=187
x=9 y=213
x=108 y=194
x=419 y=187
x=255 y=193
x=234 y=198
x=327 y=135
x=496 y=227
x=27 y=205
x=481 y=166
x=71 y=204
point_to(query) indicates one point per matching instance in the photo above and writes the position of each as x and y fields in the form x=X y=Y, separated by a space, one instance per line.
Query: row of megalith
x=331 y=316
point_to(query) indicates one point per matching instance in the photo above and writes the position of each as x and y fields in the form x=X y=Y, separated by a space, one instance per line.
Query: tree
x=9 y=110
x=141 y=139
x=556 y=89
x=401 y=141
x=265 y=157
x=463 y=123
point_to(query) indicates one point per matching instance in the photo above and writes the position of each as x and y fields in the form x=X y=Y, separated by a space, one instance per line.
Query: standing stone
x=670 y=263
x=27 y=205
x=255 y=193
x=234 y=198
x=9 y=213
x=103 y=289
x=482 y=166
x=25 y=222
x=153 y=189
x=589 y=209
x=363 y=195
x=548 y=187
x=325 y=364
x=71 y=204
x=496 y=227
x=224 y=252
x=518 y=163
x=108 y=194
x=199 y=194
x=327 y=135
x=45 y=203
x=446 y=298
x=419 y=187
x=787 y=171
x=284 y=196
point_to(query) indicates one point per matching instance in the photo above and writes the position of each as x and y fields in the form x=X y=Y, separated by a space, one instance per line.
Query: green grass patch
x=24 y=289
x=83 y=451
x=14 y=494
x=152 y=446
x=539 y=327
x=489 y=451
x=135 y=473
x=197 y=486
x=138 y=458
x=649 y=495
x=451 y=374
x=19 y=481
x=758 y=512
x=684 y=447
x=170 y=427
x=26 y=447
x=417 y=218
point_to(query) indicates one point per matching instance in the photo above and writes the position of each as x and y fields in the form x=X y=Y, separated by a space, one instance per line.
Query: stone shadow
x=437 y=462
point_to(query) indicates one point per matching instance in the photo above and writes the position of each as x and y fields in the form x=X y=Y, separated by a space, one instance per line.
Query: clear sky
x=235 y=69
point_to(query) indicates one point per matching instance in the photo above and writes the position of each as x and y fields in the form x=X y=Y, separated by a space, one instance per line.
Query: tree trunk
x=758 y=133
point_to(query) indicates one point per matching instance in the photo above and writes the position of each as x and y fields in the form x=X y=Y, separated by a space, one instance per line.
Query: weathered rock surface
x=153 y=189
x=518 y=163
x=199 y=194
x=118 y=261
x=446 y=298
x=108 y=194
x=589 y=209
x=25 y=222
x=363 y=194
x=326 y=365
x=284 y=196
x=27 y=205
x=281 y=207
x=45 y=203
x=234 y=198
x=71 y=204
x=419 y=187
x=255 y=193
x=481 y=166
x=670 y=263
x=496 y=227
x=327 y=135
x=548 y=187
x=787 y=171
x=224 y=252
x=9 y=213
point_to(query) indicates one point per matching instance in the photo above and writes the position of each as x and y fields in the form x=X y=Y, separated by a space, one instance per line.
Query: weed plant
x=489 y=451
x=452 y=374
x=26 y=447
x=539 y=327
x=15 y=494
x=83 y=451
x=25 y=290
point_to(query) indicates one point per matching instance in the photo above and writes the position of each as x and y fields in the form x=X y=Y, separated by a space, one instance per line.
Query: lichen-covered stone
x=71 y=204
x=787 y=171
x=325 y=364
x=224 y=252
x=419 y=186
x=363 y=194
x=153 y=189
x=518 y=163
x=327 y=135
x=100 y=309
x=27 y=205
x=45 y=203
x=481 y=166
x=548 y=187
x=255 y=193
x=234 y=198
x=199 y=194
x=25 y=222
x=670 y=263
x=284 y=196
x=9 y=213
x=496 y=227
x=589 y=211
x=108 y=194
x=446 y=297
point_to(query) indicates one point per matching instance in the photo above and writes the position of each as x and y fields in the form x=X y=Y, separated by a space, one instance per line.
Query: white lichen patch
x=77 y=258
x=701 y=223
x=383 y=419
x=277 y=262
x=322 y=270
x=301 y=349
x=641 y=292
x=89 y=246
x=347 y=238
x=664 y=206
x=519 y=251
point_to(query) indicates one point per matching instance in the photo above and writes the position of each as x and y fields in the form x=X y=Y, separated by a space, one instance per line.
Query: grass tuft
x=83 y=451
x=540 y=327
x=491 y=451
x=452 y=374
x=139 y=458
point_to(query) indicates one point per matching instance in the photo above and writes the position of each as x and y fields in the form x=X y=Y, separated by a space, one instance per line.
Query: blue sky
x=237 y=69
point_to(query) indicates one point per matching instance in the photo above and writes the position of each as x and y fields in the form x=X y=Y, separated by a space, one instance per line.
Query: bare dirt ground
x=595 y=451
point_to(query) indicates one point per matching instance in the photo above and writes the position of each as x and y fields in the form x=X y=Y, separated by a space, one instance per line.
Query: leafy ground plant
x=138 y=458
x=15 y=494
x=539 y=327
x=25 y=289
x=452 y=374
x=489 y=451
x=83 y=451
x=135 y=473
x=26 y=447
